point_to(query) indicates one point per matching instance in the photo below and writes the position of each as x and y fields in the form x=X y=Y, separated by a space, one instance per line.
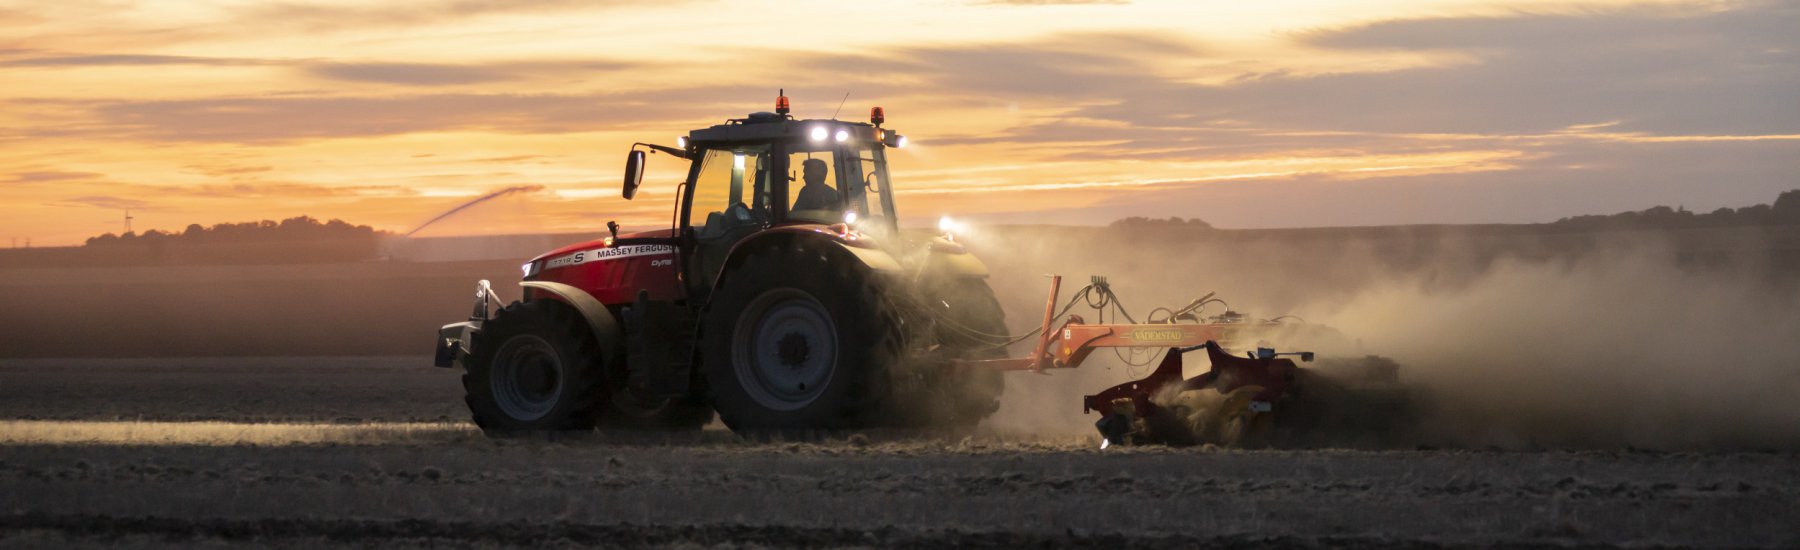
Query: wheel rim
x=784 y=349
x=527 y=377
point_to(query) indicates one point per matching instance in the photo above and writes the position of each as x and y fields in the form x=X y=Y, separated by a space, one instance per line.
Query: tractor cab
x=778 y=295
x=770 y=170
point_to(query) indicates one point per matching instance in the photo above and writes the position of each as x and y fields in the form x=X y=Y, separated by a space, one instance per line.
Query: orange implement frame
x=1070 y=344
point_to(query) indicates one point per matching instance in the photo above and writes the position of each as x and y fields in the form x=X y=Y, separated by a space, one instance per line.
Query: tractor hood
x=604 y=243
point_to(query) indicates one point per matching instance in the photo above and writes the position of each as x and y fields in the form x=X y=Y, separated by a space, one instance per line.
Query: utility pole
x=127 y=222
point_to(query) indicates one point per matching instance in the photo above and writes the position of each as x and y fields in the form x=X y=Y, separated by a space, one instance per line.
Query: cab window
x=731 y=190
x=865 y=185
x=815 y=187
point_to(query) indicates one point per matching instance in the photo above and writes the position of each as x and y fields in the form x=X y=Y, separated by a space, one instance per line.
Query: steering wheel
x=738 y=213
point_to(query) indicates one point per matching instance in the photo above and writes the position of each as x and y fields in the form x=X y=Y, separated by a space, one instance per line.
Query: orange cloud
x=1068 y=112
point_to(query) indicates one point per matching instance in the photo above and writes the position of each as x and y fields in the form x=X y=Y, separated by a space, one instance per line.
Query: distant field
x=393 y=307
x=368 y=308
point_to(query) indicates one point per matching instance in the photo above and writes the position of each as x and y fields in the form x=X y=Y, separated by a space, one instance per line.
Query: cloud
x=1661 y=71
x=409 y=74
x=280 y=190
x=106 y=60
x=509 y=159
x=1571 y=178
x=424 y=74
x=269 y=119
x=44 y=176
x=103 y=201
x=417 y=74
x=228 y=171
x=1730 y=72
x=1066 y=66
x=316 y=17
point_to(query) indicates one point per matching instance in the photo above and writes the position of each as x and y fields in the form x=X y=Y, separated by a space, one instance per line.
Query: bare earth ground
x=310 y=452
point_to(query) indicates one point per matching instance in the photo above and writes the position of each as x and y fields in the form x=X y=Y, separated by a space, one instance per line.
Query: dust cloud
x=1617 y=348
x=1514 y=340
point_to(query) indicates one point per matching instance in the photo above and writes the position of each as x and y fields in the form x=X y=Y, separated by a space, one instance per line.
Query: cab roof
x=766 y=126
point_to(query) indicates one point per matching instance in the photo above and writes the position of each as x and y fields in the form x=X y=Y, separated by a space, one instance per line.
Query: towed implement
x=1262 y=397
x=784 y=298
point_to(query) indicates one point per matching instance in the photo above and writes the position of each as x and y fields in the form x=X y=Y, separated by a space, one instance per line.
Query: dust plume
x=1516 y=338
x=1616 y=348
x=475 y=201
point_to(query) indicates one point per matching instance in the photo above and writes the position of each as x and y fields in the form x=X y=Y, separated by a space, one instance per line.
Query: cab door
x=731 y=197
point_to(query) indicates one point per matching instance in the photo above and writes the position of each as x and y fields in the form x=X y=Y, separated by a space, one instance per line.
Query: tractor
x=783 y=295
x=785 y=298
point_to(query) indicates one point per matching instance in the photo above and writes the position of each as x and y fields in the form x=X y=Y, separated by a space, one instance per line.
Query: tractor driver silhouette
x=816 y=195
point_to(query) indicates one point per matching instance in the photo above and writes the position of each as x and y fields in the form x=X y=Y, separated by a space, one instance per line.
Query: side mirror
x=634 y=173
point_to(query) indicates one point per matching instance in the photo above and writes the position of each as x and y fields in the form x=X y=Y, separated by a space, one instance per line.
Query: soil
x=322 y=452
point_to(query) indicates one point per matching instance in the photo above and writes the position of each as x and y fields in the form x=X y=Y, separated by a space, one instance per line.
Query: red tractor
x=783 y=296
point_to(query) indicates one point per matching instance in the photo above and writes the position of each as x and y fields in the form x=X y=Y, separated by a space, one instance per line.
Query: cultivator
x=1234 y=402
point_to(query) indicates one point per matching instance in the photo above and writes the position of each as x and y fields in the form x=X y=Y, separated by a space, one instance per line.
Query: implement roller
x=1234 y=402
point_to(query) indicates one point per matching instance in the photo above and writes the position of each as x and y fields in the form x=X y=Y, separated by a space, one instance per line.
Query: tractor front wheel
x=534 y=368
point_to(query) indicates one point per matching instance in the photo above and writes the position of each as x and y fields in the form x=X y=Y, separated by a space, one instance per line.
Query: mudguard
x=599 y=319
x=949 y=259
x=875 y=258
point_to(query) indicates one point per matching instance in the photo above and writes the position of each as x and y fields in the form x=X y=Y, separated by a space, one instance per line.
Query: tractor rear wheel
x=534 y=368
x=799 y=339
x=970 y=325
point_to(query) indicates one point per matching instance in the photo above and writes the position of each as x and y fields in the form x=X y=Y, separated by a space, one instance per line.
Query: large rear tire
x=535 y=367
x=799 y=340
x=970 y=325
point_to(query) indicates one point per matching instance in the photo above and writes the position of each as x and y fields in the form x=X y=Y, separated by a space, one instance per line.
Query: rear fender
x=875 y=259
x=599 y=319
x=948 y=260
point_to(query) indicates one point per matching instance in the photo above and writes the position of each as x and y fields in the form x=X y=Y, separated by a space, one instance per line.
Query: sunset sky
x=1246 y=114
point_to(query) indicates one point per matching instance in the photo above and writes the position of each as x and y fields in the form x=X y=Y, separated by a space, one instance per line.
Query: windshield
x=832 y=181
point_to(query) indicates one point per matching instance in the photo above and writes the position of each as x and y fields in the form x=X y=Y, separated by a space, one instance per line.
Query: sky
x=1278 y=113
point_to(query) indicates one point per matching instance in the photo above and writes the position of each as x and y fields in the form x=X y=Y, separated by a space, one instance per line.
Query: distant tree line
x=295 y=229
x=1173 y=223
x=1785 y=211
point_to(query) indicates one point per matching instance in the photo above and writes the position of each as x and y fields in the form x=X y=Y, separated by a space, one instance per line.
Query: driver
x=816 y=195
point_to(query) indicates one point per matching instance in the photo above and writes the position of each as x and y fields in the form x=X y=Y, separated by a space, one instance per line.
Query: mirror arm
x=671 y=151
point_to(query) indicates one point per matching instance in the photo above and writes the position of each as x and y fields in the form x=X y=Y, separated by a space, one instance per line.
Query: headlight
x=849 y=218
x=842 y=136
x=818 y=133
x=947 y=225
